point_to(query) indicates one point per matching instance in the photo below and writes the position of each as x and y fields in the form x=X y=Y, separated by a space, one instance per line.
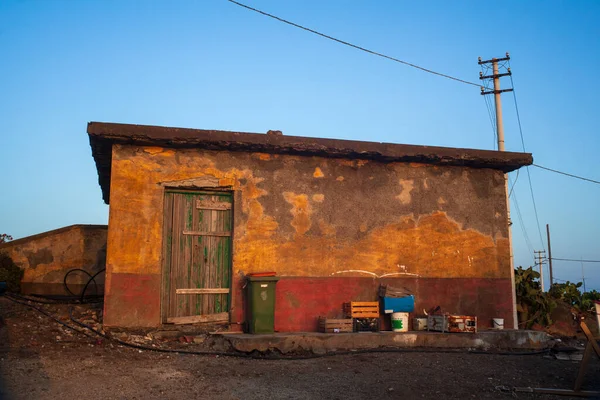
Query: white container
x=498 y=323
x=420 y=324
x=400 y=322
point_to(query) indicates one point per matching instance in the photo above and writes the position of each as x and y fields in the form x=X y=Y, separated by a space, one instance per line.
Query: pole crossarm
x=495 y=76
x=495 y=91
x=493 y=60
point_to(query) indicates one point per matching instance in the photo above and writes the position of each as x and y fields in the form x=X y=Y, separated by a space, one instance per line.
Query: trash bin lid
x=262 y=278
x=259 y=274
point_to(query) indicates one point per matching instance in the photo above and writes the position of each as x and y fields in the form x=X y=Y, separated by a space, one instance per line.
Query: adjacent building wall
x=47 y=257
x=333 y=230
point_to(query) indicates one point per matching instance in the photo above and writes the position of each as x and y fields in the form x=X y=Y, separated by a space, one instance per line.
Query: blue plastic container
x=398 y=304
x=2 y=287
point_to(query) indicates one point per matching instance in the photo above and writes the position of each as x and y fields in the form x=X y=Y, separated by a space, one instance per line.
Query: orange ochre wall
x=332 y=229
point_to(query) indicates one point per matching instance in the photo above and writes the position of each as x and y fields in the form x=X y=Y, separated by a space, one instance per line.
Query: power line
x=527 y=168
x=514 y=183
x=572 y=259
x=521 y=224
x=352 y=45
x=567 y=174
x=485 y=70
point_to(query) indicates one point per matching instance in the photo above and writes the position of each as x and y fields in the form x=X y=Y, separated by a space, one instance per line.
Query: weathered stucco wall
x=47 y=257
x=333 y=229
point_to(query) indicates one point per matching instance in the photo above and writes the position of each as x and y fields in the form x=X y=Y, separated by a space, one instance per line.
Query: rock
x=199 y=339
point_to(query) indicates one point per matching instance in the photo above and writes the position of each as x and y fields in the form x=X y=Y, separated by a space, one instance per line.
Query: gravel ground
x=39 y=360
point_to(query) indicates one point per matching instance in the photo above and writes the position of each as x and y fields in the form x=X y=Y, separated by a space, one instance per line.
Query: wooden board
x=201 y=233
x=362 y=309
x=212 y=205
x=201 y=291
x=199 y=319
x=330 y=325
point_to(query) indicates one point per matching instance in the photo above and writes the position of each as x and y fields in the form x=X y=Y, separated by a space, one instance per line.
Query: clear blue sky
x=213 y=65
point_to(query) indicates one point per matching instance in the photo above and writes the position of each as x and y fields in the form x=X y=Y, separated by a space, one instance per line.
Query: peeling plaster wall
x=310 y=218
x=47 y=257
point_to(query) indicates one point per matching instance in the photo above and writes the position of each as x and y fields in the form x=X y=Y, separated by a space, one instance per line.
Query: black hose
x=307 y=357
x=92 y=278
x=11 y=296
x=254 y=356
x=75 y=270
x=52 y=300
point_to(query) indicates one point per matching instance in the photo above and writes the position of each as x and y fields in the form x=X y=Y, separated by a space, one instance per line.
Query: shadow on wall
x=60 y=262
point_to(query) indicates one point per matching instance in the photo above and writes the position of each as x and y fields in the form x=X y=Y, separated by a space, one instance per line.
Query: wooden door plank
x=212 y=204
x=202 y=291
x=167 y=254
x=206 y=233
x=194 y=279
x=174 y=275
x=197 y=319
x=188 y=309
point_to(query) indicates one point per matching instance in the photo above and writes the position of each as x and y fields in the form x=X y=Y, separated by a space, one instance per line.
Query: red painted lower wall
x=132 y=300
x=300 y=301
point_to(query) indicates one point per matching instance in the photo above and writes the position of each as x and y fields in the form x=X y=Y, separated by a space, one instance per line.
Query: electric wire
x=14 y=299
x=491 y=114
x=527 y=168
x=521 y=224
x=575 y=260
x=352 y=45
x=567 y=174
x=514 y=183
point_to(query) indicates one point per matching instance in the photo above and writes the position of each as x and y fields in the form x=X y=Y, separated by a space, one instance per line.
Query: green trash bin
x=261 y=304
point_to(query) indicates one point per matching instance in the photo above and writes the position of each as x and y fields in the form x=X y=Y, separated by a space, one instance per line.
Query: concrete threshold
x=321 y=343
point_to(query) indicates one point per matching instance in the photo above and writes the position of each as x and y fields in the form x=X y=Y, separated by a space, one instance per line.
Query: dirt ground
x=40 y=359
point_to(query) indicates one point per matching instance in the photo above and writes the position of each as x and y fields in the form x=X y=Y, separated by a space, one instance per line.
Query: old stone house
x=201 y=209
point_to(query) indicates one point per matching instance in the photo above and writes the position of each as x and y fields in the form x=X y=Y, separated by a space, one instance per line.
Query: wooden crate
x=390 y=291
x=362 y=309
x=366 y=324
x=330 y=325
x=452 y=323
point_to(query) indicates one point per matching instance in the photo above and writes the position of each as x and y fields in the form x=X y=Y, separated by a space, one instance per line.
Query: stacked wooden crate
x=331 y=325
x=360 y=316
x=362 y=309
x=365 y=315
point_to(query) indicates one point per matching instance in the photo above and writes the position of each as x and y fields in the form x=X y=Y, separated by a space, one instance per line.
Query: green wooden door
x=197 y=256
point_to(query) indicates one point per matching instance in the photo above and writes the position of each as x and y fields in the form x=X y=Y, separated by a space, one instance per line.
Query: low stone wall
x=47 y=257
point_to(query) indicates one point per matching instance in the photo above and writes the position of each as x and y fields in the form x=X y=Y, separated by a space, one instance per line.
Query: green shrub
x=533 y=305
x=10 y=273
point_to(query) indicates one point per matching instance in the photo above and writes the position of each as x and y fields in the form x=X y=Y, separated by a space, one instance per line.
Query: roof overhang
x=104 y=135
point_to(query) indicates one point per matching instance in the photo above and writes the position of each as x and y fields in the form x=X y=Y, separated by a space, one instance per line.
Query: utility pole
x=549 y=256
x=583 y=276
x=540 y=262
x=496 y=75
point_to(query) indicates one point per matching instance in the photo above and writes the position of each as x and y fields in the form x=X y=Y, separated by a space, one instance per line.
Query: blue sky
x=213 y=65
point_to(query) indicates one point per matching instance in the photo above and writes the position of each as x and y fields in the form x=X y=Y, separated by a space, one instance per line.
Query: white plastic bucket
x=400 y=322
x=498 y=323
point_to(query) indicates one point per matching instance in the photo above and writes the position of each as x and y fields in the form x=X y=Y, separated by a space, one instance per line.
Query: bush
x=570 y=293
x=10 y=273
x=533 y=305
